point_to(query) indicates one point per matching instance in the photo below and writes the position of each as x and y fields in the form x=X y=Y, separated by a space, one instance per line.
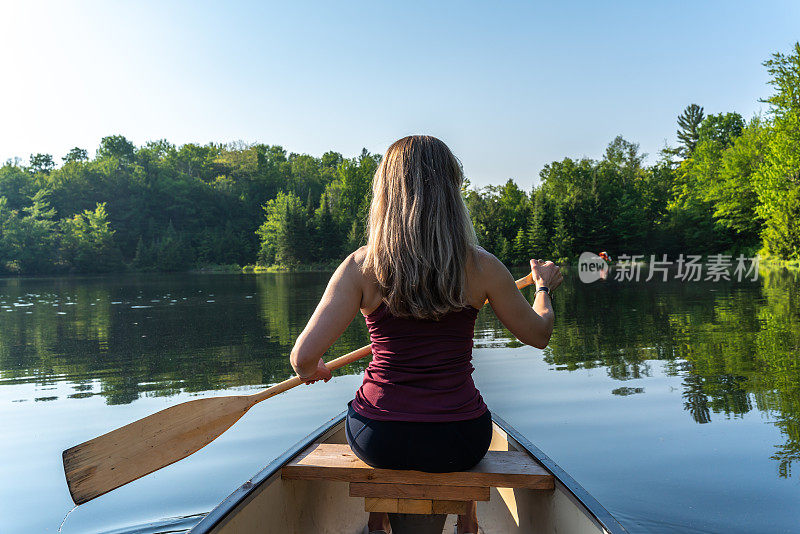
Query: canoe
x=305 y=490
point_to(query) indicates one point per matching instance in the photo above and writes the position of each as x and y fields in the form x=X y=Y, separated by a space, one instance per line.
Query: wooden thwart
x=505 y=469
x=419 y=491
x=414 y=506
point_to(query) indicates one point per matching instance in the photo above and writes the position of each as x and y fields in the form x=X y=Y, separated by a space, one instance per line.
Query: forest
x=731 y=184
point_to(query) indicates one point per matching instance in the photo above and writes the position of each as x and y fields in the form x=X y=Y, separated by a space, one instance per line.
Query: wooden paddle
x=109 y=461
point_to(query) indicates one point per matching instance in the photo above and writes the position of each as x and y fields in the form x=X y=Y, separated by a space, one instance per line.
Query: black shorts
x=430 y=447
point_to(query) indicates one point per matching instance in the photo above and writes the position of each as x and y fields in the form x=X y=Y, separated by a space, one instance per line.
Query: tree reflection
x=159 y=335
x=735 y=345
x=695 y=400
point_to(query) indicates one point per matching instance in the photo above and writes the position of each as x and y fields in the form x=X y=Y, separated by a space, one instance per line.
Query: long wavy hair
x=419 y=229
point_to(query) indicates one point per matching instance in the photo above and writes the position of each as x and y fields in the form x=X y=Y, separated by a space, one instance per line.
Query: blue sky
x=510 y=86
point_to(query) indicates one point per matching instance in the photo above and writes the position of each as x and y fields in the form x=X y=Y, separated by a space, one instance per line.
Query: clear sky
x=510 y=86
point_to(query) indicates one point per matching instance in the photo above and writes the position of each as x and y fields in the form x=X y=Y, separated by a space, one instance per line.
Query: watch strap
x=543 y=289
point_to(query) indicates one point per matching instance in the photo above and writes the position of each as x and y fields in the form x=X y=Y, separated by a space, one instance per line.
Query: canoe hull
x=269 y=504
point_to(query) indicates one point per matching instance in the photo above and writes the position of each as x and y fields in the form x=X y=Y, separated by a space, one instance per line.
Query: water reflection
x=734 y=345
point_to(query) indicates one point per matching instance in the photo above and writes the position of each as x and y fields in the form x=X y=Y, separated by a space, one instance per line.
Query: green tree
x=27 y=241
x=350 y=192
x=327 y=236
x=17 y=186
x=521 y=250
x=504 y=250
x=722 y=128
x=538 y=232
x=117 y=147
x=88 y=242
x=702 y=204
x=76 y=155
x=562 y=244
x=733 y=194
x=172 y=252
x=777 y=181
x=688 y=124
x=41 y=163
x=284 y=233
x=144 y=258
x=356 y=236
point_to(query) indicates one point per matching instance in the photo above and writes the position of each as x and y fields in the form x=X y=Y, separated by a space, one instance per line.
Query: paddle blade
x=134 y=450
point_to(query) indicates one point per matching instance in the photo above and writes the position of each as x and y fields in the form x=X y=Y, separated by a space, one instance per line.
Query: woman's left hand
x=322 y=373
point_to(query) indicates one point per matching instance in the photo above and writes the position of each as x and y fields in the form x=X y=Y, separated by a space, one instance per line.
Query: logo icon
x=591 y=267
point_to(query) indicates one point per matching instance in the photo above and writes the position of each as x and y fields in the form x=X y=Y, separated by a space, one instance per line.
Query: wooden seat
x=416 y=492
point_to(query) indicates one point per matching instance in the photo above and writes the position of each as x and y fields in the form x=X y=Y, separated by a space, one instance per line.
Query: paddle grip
x=347 y=359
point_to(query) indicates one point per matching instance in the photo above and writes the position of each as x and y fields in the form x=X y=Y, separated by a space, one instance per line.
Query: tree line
x=730 y=185
x=167 y=208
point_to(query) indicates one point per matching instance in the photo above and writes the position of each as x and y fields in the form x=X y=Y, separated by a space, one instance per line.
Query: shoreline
x=770 y=263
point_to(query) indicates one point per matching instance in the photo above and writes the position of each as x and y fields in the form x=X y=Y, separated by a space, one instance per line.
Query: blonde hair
x=419 y=229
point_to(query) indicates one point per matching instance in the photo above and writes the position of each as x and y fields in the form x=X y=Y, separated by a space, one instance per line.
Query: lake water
x=677 y=405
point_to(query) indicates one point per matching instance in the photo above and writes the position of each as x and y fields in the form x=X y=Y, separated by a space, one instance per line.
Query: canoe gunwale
x=578 y=492
x=597 y=510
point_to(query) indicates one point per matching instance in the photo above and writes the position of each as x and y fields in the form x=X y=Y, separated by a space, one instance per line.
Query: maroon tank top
x=421 y=370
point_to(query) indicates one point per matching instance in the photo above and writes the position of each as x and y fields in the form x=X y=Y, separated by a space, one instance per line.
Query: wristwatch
x=543 y=289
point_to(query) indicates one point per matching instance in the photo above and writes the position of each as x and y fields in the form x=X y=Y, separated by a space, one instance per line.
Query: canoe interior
x=268 y=504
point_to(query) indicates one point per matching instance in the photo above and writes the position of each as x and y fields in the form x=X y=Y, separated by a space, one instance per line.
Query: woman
x=419 y=282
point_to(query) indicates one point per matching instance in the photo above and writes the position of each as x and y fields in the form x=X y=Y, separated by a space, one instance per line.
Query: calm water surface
x=676 y=405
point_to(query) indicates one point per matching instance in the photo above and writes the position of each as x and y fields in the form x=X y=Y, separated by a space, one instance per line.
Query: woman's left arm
x=337 y=308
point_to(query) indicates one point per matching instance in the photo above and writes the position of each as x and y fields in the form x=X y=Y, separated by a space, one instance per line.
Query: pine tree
x=327 y=236
x=537 y=232
x=172 y=252
x=355 y=237
x=504 y=250
x=521 y=248
x=310 y=205
x=562 y=238
x=293 y=238
x=688 y=124
x=143 y=257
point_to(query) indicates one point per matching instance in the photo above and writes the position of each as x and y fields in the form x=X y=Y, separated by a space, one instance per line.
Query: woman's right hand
x=321 y=373
x=546 y=273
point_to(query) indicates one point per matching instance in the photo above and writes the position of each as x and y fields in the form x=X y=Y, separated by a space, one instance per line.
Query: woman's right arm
x=532 y=325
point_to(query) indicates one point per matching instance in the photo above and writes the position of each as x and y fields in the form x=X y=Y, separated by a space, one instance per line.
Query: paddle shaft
x=347 y=359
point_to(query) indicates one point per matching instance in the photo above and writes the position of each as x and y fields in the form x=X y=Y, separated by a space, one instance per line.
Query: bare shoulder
x=489 y=272
x=485 y=263
x=352 y=266
x=482 y=268
x=359 y=255
x=357 y=259
x=371 y=296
